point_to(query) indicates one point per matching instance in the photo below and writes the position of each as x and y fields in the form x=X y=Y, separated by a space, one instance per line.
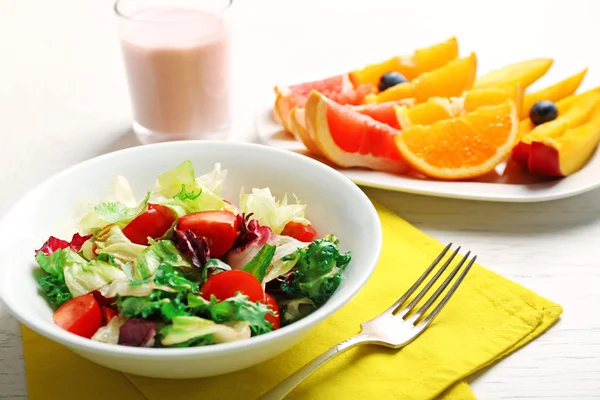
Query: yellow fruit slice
x=553 y=93
x=450 y=80
x=574 y=116
x=436 y=109
x=411 y=66
x=564 y=105
x=524 y=73
x=461 y=147
x=475 y=98
x=576 y=146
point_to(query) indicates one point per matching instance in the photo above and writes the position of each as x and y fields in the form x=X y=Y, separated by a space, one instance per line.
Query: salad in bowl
x=184 y=267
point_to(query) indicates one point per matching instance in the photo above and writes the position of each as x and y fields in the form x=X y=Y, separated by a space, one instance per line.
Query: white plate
x=271 y=133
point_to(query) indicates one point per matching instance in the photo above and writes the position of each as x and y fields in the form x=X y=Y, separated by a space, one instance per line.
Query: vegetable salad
x=185 y=267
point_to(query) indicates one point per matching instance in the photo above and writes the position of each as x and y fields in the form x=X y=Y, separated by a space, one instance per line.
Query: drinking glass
x=177 y=60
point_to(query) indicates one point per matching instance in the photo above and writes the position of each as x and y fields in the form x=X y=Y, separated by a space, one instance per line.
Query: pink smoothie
x=177 y=63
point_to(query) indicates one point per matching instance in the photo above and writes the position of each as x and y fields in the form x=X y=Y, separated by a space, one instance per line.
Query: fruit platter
x=429 y=123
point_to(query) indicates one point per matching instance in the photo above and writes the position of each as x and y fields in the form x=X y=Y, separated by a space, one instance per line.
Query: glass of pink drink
x=177 y=58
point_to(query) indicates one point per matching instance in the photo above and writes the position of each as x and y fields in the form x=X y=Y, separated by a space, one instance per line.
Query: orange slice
x=553 y=93
x=411 y=66
x=523 y=73
x=462 y=147
x=436 y=109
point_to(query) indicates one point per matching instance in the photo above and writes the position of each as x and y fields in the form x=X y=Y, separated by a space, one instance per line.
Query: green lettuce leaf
x=159 y=252
x=55 y=263
x=179 y=190
x=85 y=278
x=274 y=214
x=319 y=268
x=189 y=331
x=260 y=263
x=56 y=289
x=115 y=243
x=293 y=310
x=160 y=303
x=281 y=263
x=111 y=212
x=170 y=183
x=237 y=308
x=166 y=275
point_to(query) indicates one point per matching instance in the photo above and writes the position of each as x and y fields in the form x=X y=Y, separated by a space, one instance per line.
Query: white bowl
x=334 y=204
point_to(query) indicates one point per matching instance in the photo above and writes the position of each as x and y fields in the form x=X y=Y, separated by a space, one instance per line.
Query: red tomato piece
x=80 y=316
x=153 y=223
x=218 y=227
x=107 y=314
x=275 y=320
x=226 y=284
x=299 y=231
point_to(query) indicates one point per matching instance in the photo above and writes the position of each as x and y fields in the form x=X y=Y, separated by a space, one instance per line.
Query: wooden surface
x=63 y=99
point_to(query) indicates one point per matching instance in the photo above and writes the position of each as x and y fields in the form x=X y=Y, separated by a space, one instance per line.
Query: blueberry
x=391 y=79
x=543 y=111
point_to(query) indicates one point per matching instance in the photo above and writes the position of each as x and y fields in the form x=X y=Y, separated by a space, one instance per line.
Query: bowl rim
x=73 y=341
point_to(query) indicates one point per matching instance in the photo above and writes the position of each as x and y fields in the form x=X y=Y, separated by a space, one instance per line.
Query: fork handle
x=289 y=383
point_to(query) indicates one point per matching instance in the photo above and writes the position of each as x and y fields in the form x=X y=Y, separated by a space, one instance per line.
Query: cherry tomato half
x=153 y=223
x=80 y=316
x=218 y=227
x=299 y=231
x=275 y=320
x=107 y=314
x=226 y=284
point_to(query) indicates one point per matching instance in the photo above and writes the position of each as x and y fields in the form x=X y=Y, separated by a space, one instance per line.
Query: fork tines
x=402 y=312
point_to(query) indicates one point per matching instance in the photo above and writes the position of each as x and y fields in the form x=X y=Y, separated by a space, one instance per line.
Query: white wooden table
x=63 y=99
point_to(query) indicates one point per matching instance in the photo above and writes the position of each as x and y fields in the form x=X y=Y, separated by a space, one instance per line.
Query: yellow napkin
x=487 y=318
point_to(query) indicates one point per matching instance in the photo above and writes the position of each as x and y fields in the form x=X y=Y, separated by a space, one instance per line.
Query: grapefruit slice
x=338 y=88
x=298 y=125
x=383 y=112
x=467 y=146
x=348 y=138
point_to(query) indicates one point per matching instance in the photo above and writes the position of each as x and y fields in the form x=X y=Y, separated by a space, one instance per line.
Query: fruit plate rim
x=269 y=132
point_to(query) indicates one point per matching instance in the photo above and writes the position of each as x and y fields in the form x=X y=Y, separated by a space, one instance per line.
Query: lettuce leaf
x=281 y=263
x=160 y=303
x=55 y=263
x=237 y=308
x=53 y=244
x=110 y=212
x=115 y=243
x=318 y=270
x=125 y=288
x=261 y=262
x=56 y=289
x=213 y=181
x=293 y=310
x=187 y=331
x=166 y=275
x=274 y=214
x=158 y=253
x=179 y=190
x=110 y=332
x=87 y=277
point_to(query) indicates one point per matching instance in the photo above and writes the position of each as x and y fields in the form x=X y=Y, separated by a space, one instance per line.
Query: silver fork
x=391 y=328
